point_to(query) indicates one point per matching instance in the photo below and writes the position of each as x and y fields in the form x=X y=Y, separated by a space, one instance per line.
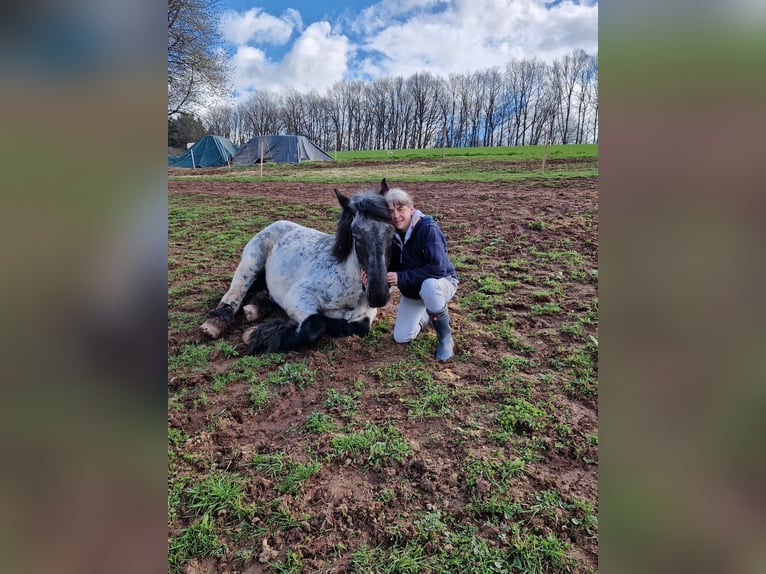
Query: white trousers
x=412 y=314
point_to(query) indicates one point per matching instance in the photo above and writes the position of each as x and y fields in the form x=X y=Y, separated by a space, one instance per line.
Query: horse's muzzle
x=378 y=297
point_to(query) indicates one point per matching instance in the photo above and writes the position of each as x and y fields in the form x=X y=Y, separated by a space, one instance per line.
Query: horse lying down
x=313 y=276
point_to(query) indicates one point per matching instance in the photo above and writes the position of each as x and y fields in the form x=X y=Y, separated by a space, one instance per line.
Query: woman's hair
x=398 y=197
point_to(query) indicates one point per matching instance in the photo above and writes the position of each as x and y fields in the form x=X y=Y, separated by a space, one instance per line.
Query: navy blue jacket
x=423 y=256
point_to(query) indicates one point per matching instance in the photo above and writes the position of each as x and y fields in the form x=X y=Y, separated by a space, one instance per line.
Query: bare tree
x=293 y=112
x=261 y=113
x=197 y=70
x=377 y=99
x=400 y=115
x=423 y=88
x=493 y=84
x=587 y=91
x=565 y=75
x=222 y=121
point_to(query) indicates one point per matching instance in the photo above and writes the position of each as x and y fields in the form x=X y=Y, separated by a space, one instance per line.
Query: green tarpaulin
x=209 y=151
x=279 y=149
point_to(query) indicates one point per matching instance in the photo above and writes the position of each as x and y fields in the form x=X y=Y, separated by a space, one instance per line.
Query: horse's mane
x=367 y=203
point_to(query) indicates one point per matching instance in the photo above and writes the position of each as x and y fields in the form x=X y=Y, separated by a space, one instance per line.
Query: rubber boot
x=441 y=323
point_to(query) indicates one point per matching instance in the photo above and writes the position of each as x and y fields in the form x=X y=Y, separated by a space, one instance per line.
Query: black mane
x=367 y=203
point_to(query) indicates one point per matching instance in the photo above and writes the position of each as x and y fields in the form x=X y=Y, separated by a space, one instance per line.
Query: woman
x=422 y=271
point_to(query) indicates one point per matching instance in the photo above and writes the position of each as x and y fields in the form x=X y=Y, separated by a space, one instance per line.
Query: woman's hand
x=391 y=277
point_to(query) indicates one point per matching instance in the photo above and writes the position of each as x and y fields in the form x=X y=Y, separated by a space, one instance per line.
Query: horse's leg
x=305 y=326
x=249 y=270
x=259 y=303
x=278 y=335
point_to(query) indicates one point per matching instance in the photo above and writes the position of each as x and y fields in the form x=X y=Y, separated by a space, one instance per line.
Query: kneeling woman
x=421 y=269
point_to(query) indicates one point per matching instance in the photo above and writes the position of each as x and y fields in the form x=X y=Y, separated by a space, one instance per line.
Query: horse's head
x=365 y=228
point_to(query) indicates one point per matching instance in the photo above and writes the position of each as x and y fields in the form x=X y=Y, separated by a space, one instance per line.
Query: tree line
x=525 y=103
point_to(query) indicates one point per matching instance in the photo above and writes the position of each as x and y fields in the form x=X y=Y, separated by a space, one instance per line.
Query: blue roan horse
x=313 y=276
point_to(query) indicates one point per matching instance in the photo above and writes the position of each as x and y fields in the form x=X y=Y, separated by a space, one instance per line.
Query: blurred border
x=681 y=276
x=83 y=220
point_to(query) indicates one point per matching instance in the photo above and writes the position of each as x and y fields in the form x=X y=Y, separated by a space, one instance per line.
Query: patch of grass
x=496 y=471
x=217 y=494
x=431 y=401
x=518 y=343
x=584 y=516
x=570 y=258
x=260 y=395
x=409 y=559
x=491 y=285
x=371 y=446
x=583 y=362
x=536 y=554
x=479 y=304
x=226 y=349
x=399 y=373
x=365 y=559
x=176 y=437
x=575 y=329
x=293 y=564
x=271 y=465
x=470 y=553
x=297 y=475
x=281 y=518
x=196 y=541
x=344 y=403
x=292 y=475
x=518 y=416
x=190 y=358
x=546 y=502
x=297 y=373
x=541 y=295
x=514 y=364
x=547 y=309
x=320 y=423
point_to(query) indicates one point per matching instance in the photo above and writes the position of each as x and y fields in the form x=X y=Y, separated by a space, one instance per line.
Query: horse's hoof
x=252 y=313
x=248 y=334
x=213 y=327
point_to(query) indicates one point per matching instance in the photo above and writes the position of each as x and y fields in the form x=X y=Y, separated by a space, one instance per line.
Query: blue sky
x=311 y=44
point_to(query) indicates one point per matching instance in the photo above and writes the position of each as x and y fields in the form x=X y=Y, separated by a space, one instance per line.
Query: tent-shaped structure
x=279 y=149
x=208 y=151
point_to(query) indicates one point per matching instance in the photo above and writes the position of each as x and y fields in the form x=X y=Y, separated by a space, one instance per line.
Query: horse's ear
x=342 y=199
x=383 y=186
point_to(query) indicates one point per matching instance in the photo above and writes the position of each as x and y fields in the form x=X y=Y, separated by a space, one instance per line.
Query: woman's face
x=401 y=214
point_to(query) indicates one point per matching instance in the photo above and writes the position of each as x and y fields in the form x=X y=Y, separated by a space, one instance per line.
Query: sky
x=310 y=45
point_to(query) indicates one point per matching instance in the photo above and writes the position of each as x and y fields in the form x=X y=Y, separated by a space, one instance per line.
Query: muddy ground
x=539 y=242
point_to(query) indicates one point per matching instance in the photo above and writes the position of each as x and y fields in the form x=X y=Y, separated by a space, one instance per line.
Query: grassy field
x=361 y=455
x=482 y=164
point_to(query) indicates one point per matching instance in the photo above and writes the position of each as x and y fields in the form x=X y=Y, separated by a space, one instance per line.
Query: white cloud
x=318 y=58
x=382 y=14
x=478 y=34
x=259 y=27
x=249 y=65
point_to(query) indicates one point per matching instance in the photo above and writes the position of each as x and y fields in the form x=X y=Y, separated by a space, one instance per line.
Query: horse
x=314 y=277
